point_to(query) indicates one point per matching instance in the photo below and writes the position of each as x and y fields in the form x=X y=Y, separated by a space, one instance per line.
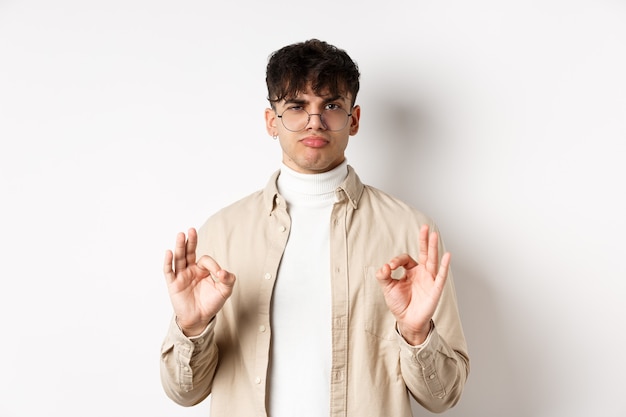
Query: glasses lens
x=335 y=118
x=297 y=119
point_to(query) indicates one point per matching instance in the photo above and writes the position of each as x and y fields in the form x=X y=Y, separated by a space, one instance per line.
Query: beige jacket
x=373 y=369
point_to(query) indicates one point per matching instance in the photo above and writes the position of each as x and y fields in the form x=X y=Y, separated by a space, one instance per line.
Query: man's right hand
x=197 y=289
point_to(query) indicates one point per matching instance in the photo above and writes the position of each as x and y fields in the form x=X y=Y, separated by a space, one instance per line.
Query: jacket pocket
x=379 y=321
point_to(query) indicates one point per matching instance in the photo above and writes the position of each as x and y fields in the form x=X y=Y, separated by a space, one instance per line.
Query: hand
x=413 y=298
x=198 y=290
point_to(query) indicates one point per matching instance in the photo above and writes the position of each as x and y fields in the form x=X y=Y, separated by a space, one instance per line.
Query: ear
x=354 y=120
x=270 y=122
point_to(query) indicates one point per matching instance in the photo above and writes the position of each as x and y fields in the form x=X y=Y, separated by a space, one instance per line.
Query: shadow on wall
x=409 y=143
x=496 y=383
x=397 y=139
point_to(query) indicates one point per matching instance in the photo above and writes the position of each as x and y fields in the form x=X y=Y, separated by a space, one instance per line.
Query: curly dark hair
x=327 y=68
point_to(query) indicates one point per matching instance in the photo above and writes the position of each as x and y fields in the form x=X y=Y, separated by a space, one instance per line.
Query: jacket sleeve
x=435 y=372
x=188 y=364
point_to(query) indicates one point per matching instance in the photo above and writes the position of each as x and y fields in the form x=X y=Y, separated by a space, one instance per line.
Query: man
x=318 y=295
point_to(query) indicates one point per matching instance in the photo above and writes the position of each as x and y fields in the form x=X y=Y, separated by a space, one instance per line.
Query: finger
x=226 y=278
x=209 y=264
x=192 y=243
x=442 y=275
x=180 y=253
x=423 y=242
x=167 y=267
x=433 y=254
x=224 y=283
x=405 y=260
x=384 y=273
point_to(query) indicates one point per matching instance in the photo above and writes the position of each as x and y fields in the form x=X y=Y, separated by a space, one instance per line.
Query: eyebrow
x=302 y=101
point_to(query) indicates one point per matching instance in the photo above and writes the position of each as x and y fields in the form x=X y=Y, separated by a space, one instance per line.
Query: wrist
x=415 y=337
x=192 y=330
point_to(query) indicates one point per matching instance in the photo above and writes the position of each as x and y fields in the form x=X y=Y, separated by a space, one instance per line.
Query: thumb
x=209 y=264
x=224 y=283
x=226 y=278
x=384 y=273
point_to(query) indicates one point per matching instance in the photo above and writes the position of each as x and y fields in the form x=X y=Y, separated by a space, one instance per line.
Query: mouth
x=314 y=142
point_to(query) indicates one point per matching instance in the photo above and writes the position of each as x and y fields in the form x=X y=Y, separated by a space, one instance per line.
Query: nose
x=316 y=122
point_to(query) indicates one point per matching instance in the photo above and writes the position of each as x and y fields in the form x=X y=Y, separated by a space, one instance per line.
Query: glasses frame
x=308 y=120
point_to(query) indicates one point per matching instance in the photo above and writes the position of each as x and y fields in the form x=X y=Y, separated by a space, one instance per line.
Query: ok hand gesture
x=413 y=298
x=197 y=289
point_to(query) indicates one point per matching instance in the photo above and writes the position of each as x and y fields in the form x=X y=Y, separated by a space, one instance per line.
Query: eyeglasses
x=333 y=118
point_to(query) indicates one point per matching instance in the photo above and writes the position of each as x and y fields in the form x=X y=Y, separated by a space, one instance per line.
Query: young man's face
x=318 y=147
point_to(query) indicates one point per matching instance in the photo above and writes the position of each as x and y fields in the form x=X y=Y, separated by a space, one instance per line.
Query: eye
x=295 y=109
x=332 y=106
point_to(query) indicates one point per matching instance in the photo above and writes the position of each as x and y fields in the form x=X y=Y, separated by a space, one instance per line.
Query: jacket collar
x=351 y=188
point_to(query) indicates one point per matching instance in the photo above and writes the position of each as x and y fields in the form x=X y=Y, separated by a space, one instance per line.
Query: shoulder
x=234 y=221
x=382 y=203
x=239 y=210
x=248 y=207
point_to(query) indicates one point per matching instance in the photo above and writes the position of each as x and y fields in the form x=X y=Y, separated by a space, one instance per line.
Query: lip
x=314 y=142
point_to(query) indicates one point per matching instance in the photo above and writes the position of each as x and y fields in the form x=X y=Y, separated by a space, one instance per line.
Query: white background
x=124 y=122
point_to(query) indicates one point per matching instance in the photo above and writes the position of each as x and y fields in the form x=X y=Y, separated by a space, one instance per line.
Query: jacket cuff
x=424 y=357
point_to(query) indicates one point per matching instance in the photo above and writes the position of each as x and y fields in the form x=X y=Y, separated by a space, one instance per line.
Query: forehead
x=310 y=96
